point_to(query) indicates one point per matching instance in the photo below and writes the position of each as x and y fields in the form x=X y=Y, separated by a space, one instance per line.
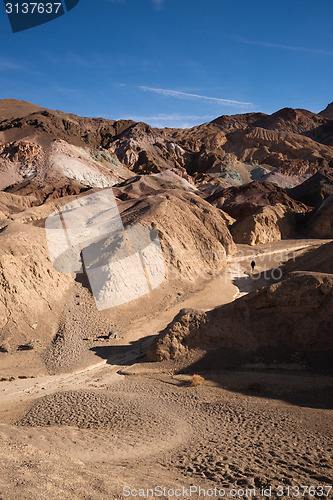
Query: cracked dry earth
x=152 y=428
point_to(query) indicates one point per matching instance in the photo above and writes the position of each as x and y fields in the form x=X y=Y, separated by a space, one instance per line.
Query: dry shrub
x=5 y=347
x=29 y=346
x=196 y=381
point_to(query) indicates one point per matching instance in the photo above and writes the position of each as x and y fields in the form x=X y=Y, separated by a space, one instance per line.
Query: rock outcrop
x=313 y=191
x=321 y=223
x=245 y=200
x=327 y=112
x=288 y=317
x=271 y=223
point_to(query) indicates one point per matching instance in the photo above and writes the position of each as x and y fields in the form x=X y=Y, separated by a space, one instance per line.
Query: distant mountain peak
x=328 y=111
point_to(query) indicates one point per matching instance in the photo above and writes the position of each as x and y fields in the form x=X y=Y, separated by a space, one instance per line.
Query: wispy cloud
x=65 y=90
x=194 y=97
x=173 y=120
x=294 y=48
x=73 y=59
x=158 y=4
x=9 y=64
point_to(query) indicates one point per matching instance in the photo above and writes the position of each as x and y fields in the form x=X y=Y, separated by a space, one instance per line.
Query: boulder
x=267 y=225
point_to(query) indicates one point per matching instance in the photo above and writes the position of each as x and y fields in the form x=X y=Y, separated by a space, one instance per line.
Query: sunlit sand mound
x=141 y=186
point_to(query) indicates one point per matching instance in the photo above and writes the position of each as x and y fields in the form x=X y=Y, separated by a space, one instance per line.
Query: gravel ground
x=154 y=428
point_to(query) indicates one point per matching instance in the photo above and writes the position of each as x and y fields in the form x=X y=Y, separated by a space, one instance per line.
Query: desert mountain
x=163 y=241
x=242 y=164
x=262 y=211
x=289 y=145
x=52 y=148
x=286 y=147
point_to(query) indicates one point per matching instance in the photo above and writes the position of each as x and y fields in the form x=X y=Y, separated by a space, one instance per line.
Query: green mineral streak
x=97 y=155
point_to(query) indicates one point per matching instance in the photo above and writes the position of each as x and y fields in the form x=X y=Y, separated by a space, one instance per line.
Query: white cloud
x=65 y=90
x=293 y=48
x=194 y=97
x=173 y=120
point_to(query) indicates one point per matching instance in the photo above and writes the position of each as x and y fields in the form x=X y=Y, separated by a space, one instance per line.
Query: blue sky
x=173 y=62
